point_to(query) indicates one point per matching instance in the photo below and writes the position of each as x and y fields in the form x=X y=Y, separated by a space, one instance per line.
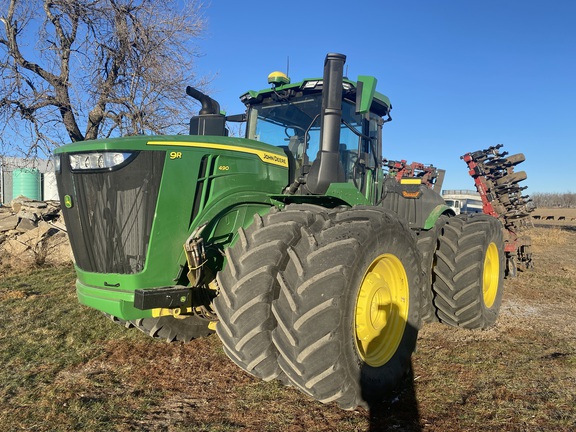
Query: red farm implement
x=501 y=194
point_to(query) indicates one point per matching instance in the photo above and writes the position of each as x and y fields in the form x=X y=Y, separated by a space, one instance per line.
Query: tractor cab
x=290 y=116
x=330 y=128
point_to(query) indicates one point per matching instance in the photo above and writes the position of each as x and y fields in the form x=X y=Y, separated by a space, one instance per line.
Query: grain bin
x=26 y=182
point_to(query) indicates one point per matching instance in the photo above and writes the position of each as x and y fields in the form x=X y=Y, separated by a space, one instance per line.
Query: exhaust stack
x=327 y=168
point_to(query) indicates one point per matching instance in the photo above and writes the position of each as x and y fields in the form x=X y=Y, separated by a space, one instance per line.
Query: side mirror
x=365 y=89
x=236 y=118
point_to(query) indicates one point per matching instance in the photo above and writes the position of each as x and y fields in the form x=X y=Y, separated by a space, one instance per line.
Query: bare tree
x=551 y=200
x=86 y=69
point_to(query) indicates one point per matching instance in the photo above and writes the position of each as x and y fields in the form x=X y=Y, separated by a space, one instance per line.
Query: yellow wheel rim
x=491 y=275
x=381 y=310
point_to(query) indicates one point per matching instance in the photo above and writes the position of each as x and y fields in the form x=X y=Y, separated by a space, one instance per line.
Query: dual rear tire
x=342 y=313
x=469 y=272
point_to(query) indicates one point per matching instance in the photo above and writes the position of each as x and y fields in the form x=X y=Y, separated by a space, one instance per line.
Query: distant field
x=64 y=367
x=555 y=216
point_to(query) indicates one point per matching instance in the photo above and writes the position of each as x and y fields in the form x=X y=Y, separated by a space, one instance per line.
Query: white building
x=463 y=201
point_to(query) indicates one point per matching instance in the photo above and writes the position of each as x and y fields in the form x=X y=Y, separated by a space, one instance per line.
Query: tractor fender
x=419 y=205
x=439 y=210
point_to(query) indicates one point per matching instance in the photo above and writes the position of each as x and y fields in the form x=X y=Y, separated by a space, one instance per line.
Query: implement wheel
x=348 y=310
x=515 y=159
x=249 y=283
x=469 y=271
x=511 y=179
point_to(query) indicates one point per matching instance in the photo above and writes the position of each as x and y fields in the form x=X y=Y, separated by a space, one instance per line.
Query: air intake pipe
x=209 y=105
x=209 y=121
x=327 y=169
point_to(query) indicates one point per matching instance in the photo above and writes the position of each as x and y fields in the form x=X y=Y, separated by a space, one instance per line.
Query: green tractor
x=311 y=265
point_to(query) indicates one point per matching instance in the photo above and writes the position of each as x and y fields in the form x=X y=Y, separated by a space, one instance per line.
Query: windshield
x=295 y=123
x=284 y=123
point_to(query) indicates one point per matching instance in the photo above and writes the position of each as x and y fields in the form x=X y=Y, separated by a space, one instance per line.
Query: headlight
x=97 y=161
x=310 y=84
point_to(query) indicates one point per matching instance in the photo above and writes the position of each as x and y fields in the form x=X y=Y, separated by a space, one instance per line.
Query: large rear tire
x=248 y=285
x=348 y=310
x=427 y=242
x=469 y=271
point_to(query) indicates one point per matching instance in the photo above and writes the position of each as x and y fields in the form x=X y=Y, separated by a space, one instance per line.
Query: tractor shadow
x=399 y=412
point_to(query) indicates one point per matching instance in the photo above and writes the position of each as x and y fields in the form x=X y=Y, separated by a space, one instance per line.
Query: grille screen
x=111 y=218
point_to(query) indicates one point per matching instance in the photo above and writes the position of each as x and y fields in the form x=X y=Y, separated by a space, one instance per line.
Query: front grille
x=112 y=212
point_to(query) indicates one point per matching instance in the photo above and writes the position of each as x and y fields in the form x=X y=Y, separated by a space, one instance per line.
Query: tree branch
x=99 y=66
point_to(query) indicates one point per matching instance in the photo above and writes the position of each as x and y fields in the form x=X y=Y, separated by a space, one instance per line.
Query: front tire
x=348 y=310
x=168 y=328
x=469 y=271
x=171 y=329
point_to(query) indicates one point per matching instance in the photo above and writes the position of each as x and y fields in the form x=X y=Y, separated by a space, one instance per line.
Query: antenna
x=346 y=74
x=287 y=65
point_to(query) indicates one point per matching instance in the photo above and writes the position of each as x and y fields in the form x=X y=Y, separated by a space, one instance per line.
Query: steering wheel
x=294 y=128
x=358 y=170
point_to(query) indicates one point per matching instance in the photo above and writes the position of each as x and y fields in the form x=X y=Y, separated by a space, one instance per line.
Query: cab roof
x=380 y=103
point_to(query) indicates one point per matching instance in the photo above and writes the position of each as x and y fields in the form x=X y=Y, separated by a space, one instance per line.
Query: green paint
x=237 y=185
x=434 y=215
x=368 y=89
x=348 y=193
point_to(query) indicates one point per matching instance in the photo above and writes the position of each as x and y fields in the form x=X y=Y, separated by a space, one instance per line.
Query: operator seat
x=296 y=147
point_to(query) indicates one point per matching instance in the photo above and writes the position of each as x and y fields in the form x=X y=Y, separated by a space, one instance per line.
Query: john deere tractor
x=311 y=265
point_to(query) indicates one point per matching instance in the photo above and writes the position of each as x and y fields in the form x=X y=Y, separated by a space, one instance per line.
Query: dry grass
x=519 y=375
x=64 y=367
x=546 y=238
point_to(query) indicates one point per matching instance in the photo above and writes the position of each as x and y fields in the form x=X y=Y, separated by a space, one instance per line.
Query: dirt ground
x=451 y=369
x=519 y=375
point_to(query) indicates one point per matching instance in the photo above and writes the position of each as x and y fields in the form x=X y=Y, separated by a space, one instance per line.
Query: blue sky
x=461 y=75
